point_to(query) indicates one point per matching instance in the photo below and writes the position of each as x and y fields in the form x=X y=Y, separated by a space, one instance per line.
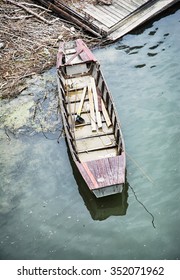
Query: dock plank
x=99 y=15
x=139 y=17
x=117 y=10
x=115 y=20
x=114 y=12
x=121 y=6
x=129 y=5
x=140 y=2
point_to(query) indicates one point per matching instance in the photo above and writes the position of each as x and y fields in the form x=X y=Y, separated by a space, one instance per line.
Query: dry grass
x=28 y=45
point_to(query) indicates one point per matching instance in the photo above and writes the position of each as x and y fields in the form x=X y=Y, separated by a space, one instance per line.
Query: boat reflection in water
x=101 y=208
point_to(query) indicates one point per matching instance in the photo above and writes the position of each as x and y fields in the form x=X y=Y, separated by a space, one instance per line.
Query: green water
x=46 y=211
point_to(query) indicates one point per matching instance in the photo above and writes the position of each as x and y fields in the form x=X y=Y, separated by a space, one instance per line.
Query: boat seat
x=97 y=149
x=93 y=136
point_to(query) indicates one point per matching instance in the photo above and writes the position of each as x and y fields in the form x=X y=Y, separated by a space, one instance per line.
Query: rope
x=143 y=206
x=149 y=179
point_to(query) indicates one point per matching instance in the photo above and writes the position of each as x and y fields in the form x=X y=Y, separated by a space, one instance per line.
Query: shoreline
x=29 y=45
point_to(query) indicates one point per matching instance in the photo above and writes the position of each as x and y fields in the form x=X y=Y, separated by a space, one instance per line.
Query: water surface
x=45 y=210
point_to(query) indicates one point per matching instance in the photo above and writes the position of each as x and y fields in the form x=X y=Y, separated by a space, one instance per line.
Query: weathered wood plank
x=74 y=84
x=95 y=150
x=107 y=171
x=140 y=2
x=99 y=12
x=100 y=170
x=116 y=10
x=92 y=113
x=122 y=7
x=86 y=130
x=93 y=136
x=89 y=173
x=101 y=142
x=129 y=5
x=82 y=101
x=136 y=4
x=98 y=114
x=105 y=114
x=101 y=17
x=111 y=152
x=118 y=13
x=75 y=101
x=103 y=172
x=73 y=107
x=99 y=100
x=139 y=17
x=108 y=10
x=86 y=176
x=98 y=24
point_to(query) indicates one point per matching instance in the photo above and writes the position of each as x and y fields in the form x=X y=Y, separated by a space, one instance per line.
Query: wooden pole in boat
x=105 y=114
x=98 y=114
x=92 y=113
x=72 y=125
x=78 y=116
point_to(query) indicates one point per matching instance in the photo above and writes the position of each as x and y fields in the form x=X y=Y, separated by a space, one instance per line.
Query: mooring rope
x=149 y=179
x=135 y=195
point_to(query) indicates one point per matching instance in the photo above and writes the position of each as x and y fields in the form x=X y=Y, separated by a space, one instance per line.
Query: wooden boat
x=90 y=120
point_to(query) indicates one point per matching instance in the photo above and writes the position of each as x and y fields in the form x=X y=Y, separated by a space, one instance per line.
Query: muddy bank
x=35 y=110
x=30 y=36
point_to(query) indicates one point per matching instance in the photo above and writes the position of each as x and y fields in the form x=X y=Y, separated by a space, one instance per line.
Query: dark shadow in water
x=157 y=45
x=148 y=24
x=128 y=49
x=151 y=54
x=131 y=50
x=100 y=208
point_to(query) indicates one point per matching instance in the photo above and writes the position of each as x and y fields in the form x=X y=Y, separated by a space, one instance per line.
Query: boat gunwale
x=96 y=73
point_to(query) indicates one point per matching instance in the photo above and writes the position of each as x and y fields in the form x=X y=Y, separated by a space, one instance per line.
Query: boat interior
x=89 y=113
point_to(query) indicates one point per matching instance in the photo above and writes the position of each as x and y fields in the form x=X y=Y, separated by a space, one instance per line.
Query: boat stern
x=109 y=190
x=105 y=176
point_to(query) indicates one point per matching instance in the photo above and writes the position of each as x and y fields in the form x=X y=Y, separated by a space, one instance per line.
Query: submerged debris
x=35 y=110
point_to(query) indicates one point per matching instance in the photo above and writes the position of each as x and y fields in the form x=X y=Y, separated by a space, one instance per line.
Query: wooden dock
x=110 y=21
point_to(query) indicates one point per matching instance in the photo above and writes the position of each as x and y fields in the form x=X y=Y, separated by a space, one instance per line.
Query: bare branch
x=29 y=11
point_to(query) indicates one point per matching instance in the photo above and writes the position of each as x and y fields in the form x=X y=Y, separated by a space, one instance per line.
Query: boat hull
x=90 y=120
